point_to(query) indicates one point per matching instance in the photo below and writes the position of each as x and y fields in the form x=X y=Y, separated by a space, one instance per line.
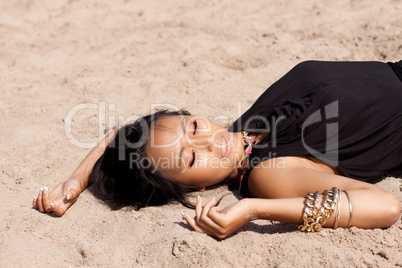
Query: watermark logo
x=331 y=155
x=104 y=121
x=107 y=118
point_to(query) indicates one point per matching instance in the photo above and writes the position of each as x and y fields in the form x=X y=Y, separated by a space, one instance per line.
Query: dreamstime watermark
x=107 y=119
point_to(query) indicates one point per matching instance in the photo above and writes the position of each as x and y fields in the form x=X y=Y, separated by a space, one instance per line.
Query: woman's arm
x=286 y=188
x=67 y=192
x=372 y=206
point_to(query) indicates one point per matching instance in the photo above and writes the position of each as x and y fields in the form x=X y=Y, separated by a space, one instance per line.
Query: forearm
x=371 y=209
x=84 y=169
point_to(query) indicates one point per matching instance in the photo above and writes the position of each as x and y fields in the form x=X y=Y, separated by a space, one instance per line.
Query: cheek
x=208 y=164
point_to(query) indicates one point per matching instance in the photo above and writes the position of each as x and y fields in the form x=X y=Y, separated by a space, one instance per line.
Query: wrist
x=258 y=209
x=81 y=181
x=252 y=212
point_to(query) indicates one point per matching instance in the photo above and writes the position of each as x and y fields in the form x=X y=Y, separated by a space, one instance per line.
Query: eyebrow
x=183 y=129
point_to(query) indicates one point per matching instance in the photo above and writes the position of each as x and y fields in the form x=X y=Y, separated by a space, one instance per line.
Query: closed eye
x=195 y=126
x=192 y=160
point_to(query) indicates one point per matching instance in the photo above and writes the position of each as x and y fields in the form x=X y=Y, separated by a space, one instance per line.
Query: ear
x=201 y=189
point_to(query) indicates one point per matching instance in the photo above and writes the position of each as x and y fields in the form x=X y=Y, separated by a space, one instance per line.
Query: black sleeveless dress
x=347 y=114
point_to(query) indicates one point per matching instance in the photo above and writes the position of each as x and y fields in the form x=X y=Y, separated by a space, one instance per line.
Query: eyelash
x=192 y=160
x=193 y=154
x=195 y=126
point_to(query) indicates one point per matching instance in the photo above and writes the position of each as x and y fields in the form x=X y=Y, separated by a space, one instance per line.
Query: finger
x=210 y=204
x=192 y=222
x=216 y=216
x=39 y=201
x=207 y=207
x=46 y=200
x=205 y=220
x=34 y=203
x=70 y=195
x=59 y=211
x=59 y=208
x=198 y=208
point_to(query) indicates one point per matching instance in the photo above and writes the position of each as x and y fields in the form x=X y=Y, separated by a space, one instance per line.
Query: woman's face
x=194 y=151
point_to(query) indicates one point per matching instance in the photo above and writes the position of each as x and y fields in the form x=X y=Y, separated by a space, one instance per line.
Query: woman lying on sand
x=327 y=129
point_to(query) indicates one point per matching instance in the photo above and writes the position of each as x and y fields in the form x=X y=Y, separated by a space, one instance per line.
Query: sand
x=124 y=58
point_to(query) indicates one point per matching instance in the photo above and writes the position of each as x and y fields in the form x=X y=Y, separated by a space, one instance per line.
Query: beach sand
x=121 y=59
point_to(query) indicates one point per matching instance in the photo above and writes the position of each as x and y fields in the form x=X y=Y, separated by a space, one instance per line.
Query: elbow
x=393 y=210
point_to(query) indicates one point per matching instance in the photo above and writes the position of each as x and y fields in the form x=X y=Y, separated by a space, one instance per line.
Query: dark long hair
x=124 y=176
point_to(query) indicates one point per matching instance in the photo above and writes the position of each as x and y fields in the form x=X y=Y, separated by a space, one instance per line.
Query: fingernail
x=213 y=198
x=45 y=188
x=68 y=197
x=198 y=197
x=34 y=197
x=52 y=205
x=182 y=213
x=41 y=189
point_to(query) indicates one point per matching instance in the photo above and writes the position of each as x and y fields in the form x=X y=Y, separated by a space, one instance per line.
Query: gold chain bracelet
x=315 y=218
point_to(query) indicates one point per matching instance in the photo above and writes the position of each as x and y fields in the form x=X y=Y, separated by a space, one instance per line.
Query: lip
x=225 y=147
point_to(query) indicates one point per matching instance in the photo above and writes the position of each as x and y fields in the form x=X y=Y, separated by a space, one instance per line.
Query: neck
x=237 y=173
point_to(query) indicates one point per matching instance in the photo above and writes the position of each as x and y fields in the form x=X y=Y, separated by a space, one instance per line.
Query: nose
x=201 y=141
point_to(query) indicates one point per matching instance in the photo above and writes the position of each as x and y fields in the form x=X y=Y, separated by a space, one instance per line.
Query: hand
x=218 y=222
x=60 y=199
